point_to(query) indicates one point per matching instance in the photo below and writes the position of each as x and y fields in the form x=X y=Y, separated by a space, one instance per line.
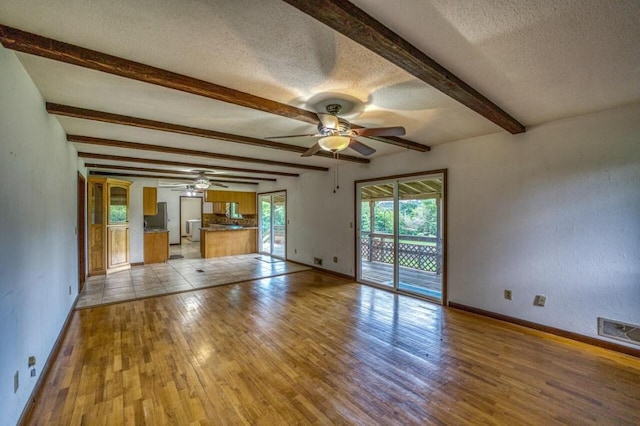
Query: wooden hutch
x=108 y=225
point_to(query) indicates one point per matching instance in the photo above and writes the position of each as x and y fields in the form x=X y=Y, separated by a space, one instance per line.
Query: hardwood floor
x=313 y=348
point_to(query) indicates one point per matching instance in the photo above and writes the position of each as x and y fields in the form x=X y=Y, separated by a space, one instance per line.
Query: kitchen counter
x=222 y=240
x=215 y=228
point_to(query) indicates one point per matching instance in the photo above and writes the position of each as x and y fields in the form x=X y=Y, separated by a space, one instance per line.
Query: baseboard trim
x=551 y=330
x=31 y=401
x=137 y=264
x=316 y=268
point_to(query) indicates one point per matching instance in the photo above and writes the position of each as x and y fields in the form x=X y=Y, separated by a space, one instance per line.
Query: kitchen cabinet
x=156 y=246
x=219 y=207
x=149 y=201
x=117 y=248
x=214 y=196
x=108 y=225
x=246 y=201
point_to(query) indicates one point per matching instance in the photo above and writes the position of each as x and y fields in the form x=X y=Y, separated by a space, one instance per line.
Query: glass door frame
x=395 y=180
x=271 y=195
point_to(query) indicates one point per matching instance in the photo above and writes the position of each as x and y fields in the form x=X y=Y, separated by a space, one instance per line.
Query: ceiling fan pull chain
x=336 y=176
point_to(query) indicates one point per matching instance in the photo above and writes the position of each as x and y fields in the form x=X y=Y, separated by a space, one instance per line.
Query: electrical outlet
x=335 y=259
x=16 y=381
x=317 y=261
x=507 y=294
x=33 y=372
x=540 y=300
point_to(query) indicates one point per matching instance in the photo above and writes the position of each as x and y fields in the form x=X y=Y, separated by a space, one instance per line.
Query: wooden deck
x=312 y=348
x=412 y=280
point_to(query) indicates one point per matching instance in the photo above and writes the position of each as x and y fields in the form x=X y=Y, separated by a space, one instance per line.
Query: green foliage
x=117 y=214
x=278 y=213
x=417 y=217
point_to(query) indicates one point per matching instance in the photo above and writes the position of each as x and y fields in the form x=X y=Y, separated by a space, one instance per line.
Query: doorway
x=80 y=231
x=190 y=223
x=401 y=234
x=272 y=217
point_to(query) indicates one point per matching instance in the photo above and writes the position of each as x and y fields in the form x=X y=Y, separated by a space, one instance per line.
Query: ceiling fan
x=200 y=184
x=336 y=134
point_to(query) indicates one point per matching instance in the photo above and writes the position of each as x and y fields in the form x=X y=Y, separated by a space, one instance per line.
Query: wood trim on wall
x=548 y=329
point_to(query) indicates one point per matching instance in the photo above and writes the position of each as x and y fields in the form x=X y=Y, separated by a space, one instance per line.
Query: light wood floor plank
x=312 y=348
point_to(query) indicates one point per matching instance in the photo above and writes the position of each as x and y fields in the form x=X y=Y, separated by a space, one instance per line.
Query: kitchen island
x=226 y=240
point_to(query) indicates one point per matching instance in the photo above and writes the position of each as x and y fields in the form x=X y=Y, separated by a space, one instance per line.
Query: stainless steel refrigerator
x=157 y=221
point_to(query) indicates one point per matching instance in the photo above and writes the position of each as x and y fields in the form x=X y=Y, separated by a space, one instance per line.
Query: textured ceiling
x=539 y=61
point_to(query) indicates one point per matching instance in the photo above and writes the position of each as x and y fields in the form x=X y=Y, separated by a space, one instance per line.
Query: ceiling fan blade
x=360 y=147
x=172 y=185
x=222 y=185
x=311 y=151
x=329 y=121
x=291 y=136
x=379 y=131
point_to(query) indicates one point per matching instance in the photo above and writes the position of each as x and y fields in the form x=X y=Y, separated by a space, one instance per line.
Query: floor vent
x=619 y=330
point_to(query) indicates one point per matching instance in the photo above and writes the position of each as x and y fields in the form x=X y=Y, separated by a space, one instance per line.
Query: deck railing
x=422 y=253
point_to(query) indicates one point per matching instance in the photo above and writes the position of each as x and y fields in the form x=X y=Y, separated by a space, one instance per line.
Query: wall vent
x=619 y=330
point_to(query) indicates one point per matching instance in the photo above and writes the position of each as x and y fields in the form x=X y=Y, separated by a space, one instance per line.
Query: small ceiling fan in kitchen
x=335 y=134
x=199 y=185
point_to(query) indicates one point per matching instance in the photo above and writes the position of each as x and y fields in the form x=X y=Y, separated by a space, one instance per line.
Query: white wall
x=554 y=211
x=38 y=248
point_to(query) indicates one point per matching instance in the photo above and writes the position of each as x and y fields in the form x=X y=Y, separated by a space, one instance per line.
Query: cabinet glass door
x=96 y=214
x=118 y=204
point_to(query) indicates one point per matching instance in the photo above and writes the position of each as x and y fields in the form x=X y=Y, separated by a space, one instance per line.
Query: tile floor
x=179 y=275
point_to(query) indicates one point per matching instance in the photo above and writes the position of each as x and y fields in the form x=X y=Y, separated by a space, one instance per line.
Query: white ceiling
x=539 y=61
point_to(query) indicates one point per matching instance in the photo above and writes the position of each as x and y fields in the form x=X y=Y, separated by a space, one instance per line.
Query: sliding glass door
x=400 y=234
x=273 y=224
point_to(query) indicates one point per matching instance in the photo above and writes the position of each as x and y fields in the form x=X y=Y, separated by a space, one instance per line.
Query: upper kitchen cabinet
x=108 y=225
x=247 y=203
x=246 y=200
x=215 y=196
x=149 y=201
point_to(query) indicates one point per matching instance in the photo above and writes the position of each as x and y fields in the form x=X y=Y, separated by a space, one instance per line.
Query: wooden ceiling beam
x=89 y=140
x=166 y=177
x=22 y=41
x=354 y=23
x=107 y=117
x=179 y=164
x=193 y=174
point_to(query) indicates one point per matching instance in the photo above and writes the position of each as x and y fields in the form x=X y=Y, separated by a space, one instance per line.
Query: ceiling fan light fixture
x=202 y=183
x=334 y=143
